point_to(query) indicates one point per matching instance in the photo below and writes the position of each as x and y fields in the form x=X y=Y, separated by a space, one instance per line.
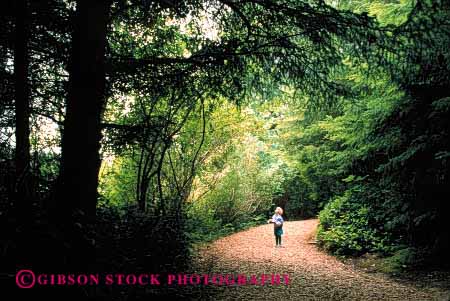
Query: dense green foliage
x=241 y=198
x=390 y=156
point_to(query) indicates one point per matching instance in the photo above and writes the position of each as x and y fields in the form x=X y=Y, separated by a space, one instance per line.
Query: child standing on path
x=277 y=221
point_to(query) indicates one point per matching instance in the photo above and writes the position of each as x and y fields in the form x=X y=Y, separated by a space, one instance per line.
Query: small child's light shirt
x=277 y=219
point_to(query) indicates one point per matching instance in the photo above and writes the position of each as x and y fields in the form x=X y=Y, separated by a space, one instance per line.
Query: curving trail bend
x=313 y=274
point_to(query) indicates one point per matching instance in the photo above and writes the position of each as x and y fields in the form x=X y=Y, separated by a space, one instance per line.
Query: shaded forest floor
x=314 y=275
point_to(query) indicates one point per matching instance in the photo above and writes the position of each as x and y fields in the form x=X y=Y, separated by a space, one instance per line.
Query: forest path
x=313 y=274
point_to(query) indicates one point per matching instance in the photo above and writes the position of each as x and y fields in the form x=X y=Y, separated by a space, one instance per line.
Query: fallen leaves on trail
x=314 y=275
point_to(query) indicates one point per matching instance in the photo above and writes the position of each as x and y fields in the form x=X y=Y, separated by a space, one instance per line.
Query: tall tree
x=80 y=163
x=22 y=105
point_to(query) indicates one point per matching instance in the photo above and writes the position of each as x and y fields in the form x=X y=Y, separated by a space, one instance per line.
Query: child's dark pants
x=278 y=239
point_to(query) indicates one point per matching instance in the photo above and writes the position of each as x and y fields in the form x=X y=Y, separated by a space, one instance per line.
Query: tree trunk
x=76 y=192
x=73 y=207
x=22 y=109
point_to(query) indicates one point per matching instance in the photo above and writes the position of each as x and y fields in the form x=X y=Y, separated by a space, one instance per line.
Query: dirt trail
x=313 y=274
